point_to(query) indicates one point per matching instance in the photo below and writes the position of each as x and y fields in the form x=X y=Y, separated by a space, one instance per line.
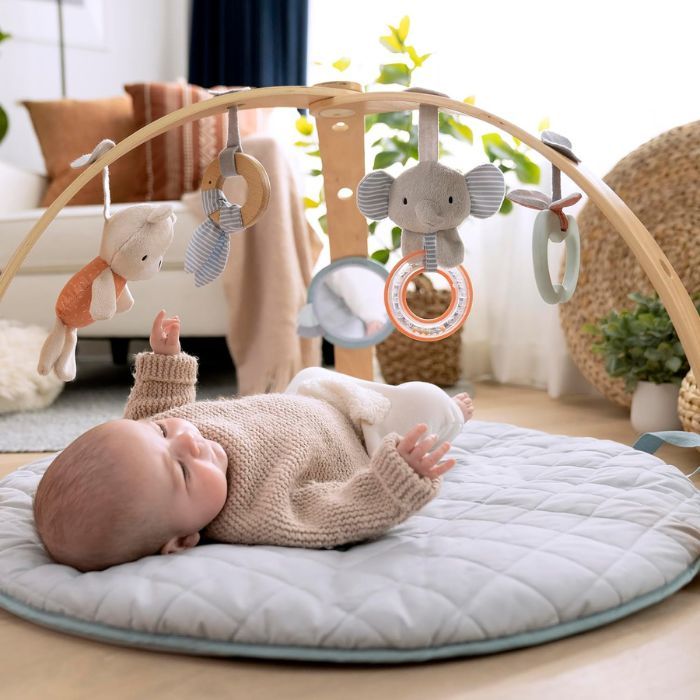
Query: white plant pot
x=655 y=407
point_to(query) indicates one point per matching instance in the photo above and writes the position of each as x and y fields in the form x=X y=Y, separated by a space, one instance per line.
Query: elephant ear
x=486 y=190
x=373 y=195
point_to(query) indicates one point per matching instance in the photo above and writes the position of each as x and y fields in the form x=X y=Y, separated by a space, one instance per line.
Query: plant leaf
x=392 y=43
x=396 y=120
x=386 y=158
x=394 y=73
x=4 y=123
x=456 y=129
x=304 y=126
x=396 y=237
x=404 y=26
x=544 y=124
x=341 y=64
x=506 y=206
x=323 y=223
x=381 y=255
x=310 y=203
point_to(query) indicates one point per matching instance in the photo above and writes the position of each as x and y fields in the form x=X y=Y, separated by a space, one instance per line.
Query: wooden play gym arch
x=339 y=109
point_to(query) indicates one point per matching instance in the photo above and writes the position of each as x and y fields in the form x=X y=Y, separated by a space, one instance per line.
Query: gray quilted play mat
x=533 y=537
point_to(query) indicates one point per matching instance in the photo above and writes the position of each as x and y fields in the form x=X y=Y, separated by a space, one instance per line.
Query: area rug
x=99 y=394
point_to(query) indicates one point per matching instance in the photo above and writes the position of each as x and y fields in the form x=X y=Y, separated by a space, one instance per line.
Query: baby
x=333 y=460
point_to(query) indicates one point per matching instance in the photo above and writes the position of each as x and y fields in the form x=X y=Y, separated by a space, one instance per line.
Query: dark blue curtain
x=248 y=42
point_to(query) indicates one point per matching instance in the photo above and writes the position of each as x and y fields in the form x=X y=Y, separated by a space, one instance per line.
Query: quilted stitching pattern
x=530 y=530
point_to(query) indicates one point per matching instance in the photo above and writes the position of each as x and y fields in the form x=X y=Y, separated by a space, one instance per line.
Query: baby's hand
x=165 y=335
x=414 y=452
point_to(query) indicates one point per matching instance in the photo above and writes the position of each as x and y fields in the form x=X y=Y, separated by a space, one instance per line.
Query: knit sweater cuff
x=174 y=369
x=409 y=489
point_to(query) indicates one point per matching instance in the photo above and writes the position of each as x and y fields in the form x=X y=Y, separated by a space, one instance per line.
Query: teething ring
x=548 y=227
x=257 y=180
x=427 y=329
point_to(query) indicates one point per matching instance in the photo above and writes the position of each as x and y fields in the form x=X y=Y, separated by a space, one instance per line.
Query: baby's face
x=178 y=472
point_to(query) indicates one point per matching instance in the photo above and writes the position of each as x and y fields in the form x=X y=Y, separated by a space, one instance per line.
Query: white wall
x=144 y=40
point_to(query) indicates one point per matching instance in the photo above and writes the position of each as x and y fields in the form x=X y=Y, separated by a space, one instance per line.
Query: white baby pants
x=411 y=403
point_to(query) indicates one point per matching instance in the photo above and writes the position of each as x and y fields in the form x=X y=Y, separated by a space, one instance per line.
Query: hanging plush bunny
x=430 y=197
x=134 y=241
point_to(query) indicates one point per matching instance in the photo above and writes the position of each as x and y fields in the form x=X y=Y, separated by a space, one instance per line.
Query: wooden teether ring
x=427 y=329
x=256 y=179
x=547 y=227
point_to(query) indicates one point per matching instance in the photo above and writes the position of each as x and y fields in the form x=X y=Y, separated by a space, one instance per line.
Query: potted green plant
x=641 y=346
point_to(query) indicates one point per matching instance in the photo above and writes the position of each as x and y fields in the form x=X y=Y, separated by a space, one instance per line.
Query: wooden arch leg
x=342 y=146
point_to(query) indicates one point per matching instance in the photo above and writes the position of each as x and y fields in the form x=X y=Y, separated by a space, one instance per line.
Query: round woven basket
x=403 y=359
x=660 y=182
x=689 y=404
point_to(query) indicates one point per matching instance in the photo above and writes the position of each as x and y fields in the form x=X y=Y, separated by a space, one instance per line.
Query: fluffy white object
x=22 y=388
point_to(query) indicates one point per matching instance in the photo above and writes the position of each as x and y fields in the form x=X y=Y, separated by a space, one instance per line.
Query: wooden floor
x=650 y=655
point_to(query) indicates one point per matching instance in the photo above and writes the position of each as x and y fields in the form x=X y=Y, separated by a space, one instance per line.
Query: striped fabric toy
x=208 y=249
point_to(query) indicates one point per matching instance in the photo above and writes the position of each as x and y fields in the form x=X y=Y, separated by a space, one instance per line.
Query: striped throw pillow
x=174 y=162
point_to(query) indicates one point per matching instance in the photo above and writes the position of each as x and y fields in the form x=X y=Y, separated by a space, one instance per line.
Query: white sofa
x=71 y=241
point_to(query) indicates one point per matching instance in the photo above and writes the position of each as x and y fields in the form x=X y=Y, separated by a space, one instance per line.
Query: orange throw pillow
x=174 y=162
x=67 y=129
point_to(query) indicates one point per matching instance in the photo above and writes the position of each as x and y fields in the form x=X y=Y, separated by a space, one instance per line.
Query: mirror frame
x=370 y=265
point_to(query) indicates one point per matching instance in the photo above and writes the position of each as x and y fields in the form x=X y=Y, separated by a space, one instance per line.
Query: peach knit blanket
x=266 y=278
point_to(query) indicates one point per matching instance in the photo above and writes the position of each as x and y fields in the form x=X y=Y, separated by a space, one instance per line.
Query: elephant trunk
x=429 y=215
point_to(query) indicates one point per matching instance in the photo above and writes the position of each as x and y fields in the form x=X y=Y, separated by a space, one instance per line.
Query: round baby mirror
x=346 y=304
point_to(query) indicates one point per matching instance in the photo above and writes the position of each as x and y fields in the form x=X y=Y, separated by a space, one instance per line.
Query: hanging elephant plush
x=431 y=198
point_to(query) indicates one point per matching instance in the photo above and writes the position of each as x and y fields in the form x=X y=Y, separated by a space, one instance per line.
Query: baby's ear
x=180 y=544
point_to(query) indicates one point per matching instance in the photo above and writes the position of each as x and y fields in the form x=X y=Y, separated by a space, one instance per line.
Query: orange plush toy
x=134 y=241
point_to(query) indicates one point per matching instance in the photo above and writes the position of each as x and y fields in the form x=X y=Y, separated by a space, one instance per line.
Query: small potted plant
x=641 y=346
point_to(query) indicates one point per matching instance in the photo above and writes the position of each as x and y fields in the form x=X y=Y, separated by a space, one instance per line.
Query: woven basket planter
x=689 y=404
x=403 y=359
x=660 y=182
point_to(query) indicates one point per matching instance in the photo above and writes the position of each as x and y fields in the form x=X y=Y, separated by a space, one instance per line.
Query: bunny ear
x=207 y=253
x=530 y=198
x=567 y=201
x=486 y=190
x=102 y=147
x=159 y=213
x=373 y=195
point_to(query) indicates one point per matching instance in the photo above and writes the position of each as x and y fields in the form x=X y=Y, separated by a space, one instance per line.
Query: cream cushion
x=71 y=241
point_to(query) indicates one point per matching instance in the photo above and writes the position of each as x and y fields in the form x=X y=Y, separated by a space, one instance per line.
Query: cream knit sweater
x=298 y=473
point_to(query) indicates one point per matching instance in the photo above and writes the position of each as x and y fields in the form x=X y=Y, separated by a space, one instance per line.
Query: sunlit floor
x=648 y=655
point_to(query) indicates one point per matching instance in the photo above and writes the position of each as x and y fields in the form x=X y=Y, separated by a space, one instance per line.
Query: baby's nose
x=190 y=443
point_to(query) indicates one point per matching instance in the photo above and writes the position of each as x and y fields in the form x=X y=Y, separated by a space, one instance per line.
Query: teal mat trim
x=650 y=442
x=205 y=647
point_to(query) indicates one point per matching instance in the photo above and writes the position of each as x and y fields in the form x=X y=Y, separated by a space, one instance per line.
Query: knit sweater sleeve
x=326 y=514
x=161 y=382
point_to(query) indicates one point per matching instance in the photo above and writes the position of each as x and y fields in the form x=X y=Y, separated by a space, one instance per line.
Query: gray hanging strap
x=562 y=145
x=427 y=133
x=427 y=126
x=227 y=160
x=227 y=157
